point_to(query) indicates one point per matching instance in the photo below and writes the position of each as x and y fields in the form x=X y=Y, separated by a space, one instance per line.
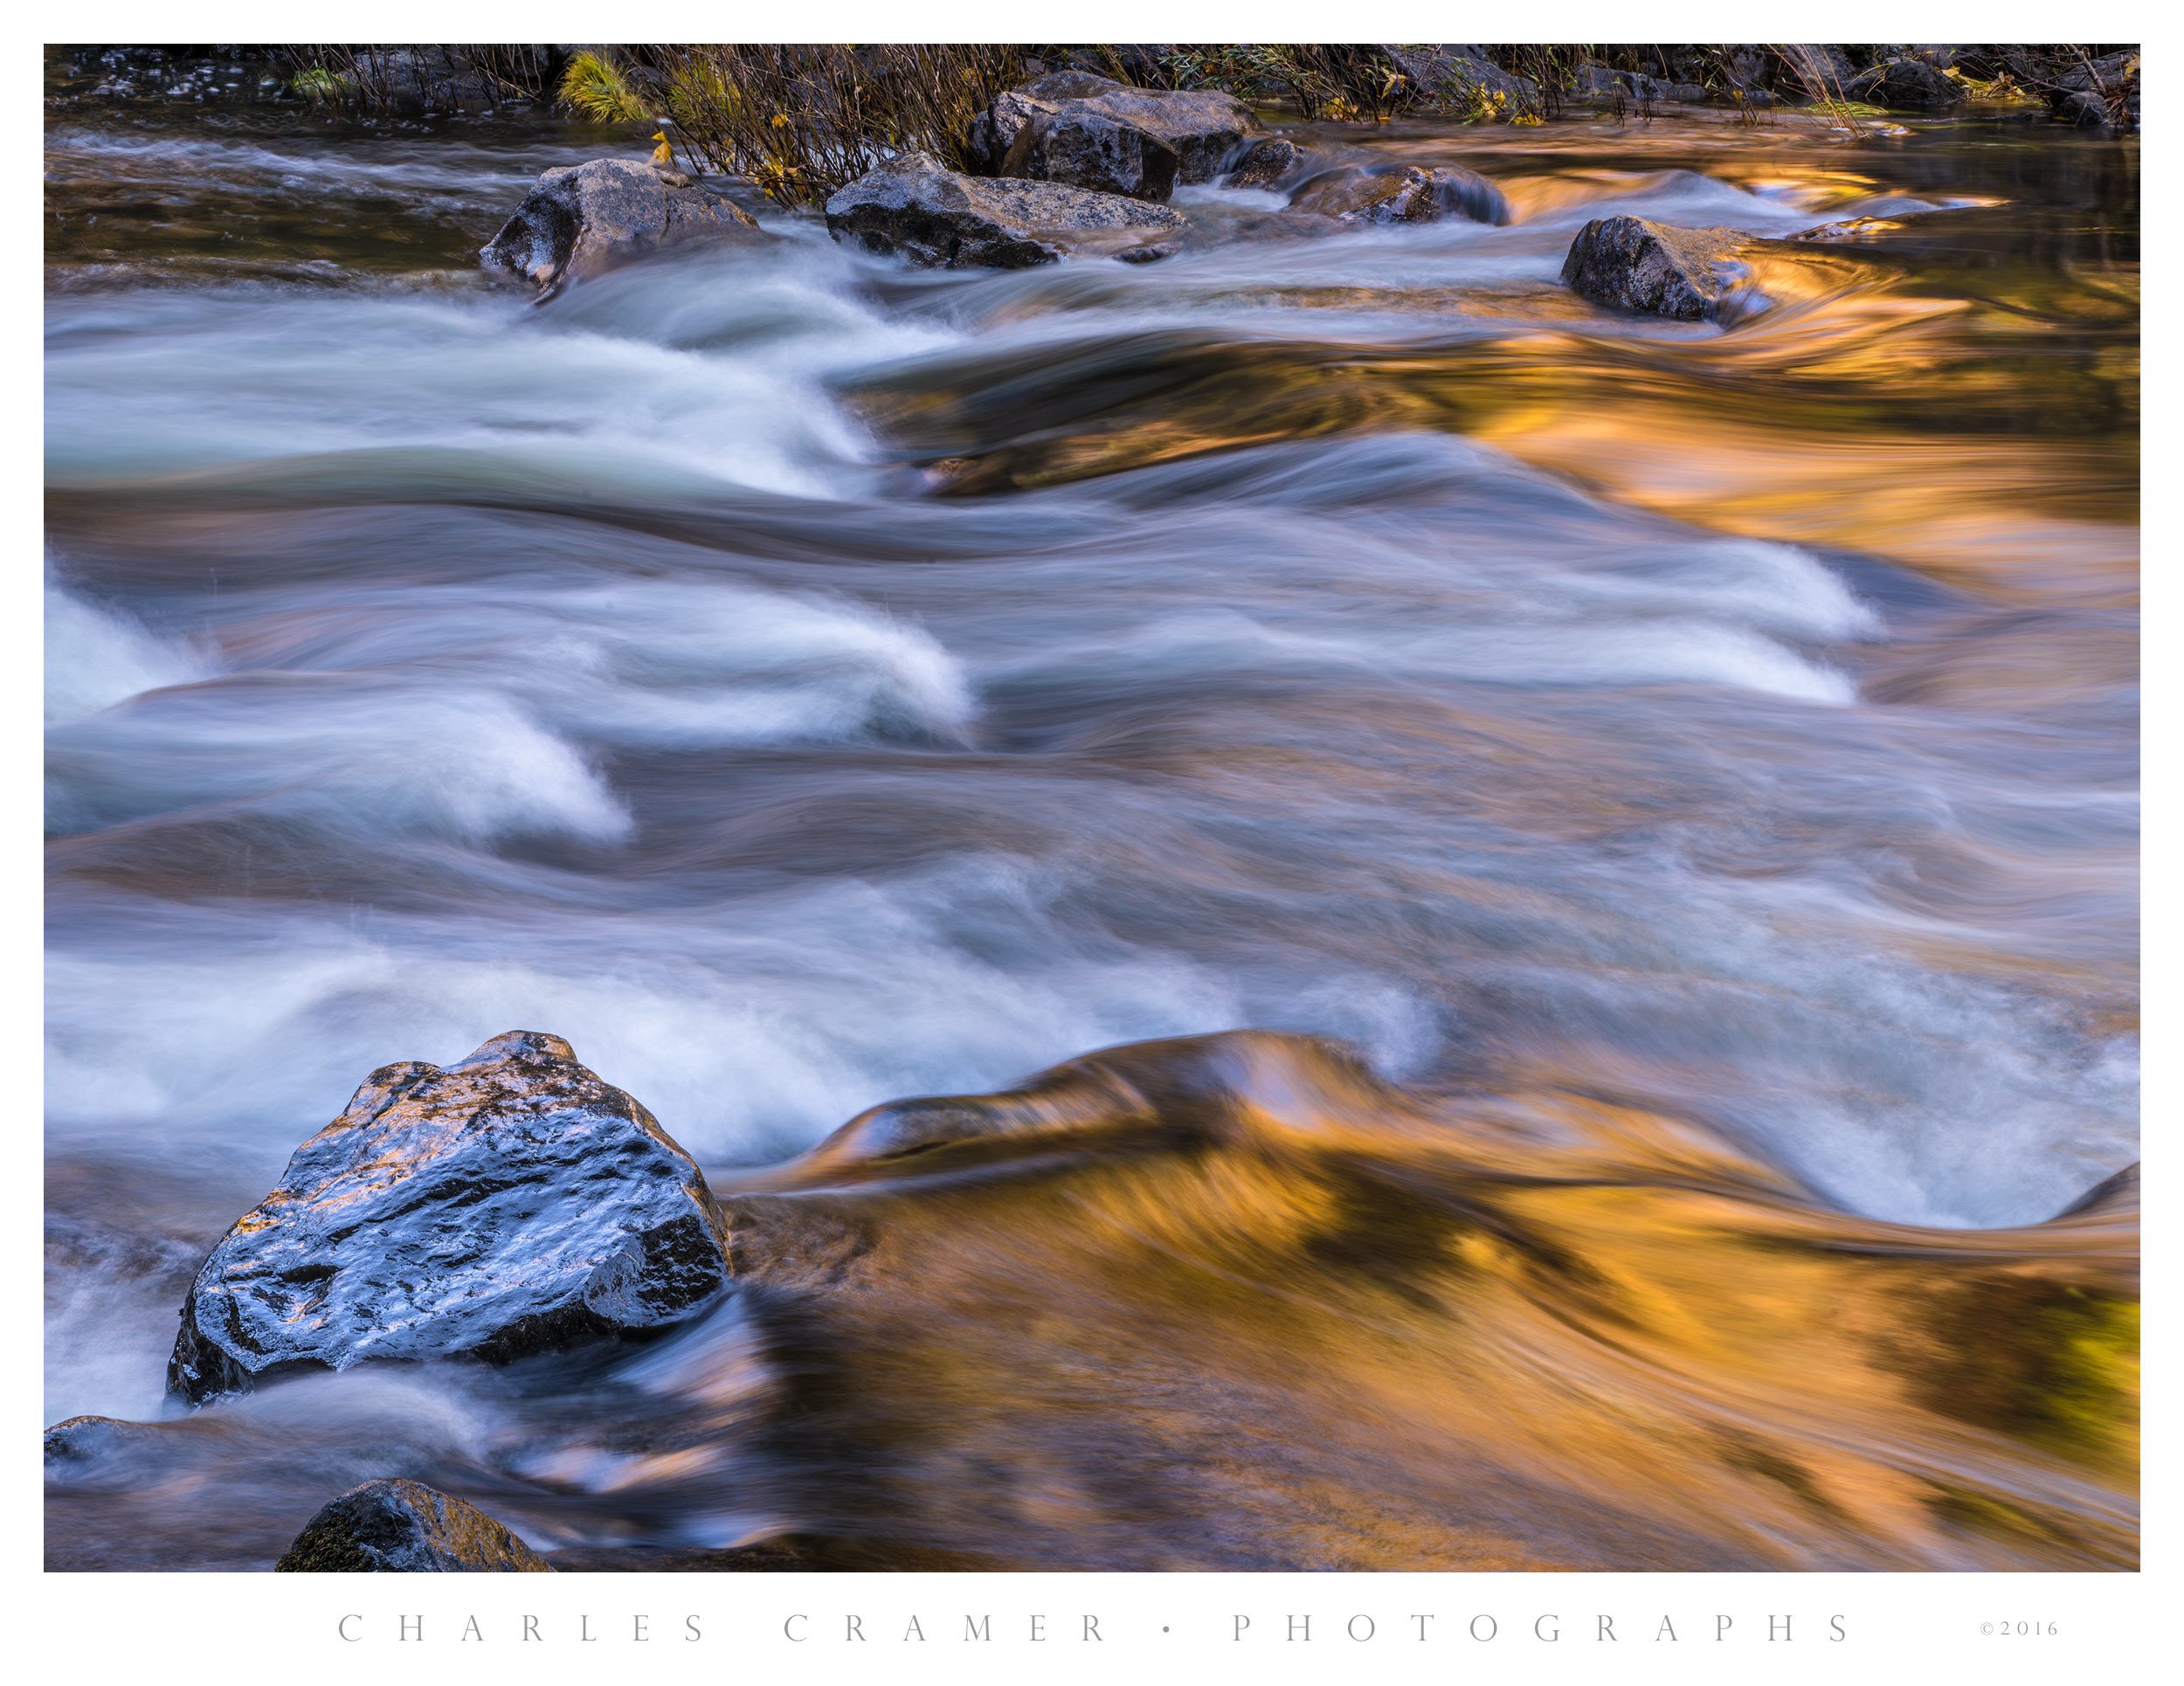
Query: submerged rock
x=1634 y=264
x=404 y=1527
x=507 y=1204
x=910 y=205
x=75 y=1441
x=582 y=218
x=1399 y=193
x=1085 y=131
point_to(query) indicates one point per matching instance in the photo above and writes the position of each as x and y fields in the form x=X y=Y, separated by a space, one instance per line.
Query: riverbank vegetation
x=801 y=120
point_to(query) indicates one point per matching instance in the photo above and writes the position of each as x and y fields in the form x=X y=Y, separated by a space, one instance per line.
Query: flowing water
x=1618 y=839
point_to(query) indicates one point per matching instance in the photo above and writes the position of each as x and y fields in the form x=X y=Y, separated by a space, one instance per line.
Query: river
x=1690 y=773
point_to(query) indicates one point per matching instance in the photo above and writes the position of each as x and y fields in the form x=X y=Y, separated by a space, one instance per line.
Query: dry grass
x=801 y=120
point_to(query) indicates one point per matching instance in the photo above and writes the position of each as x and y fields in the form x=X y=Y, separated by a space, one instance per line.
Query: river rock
x=2118 y=1193
x=2103 y=93
x=1265 y=162
x=404 y=1527
x=1907 y=85
x=510 y=1204
x=1634 y=264
x=1598 y=85
x=1083 y=130
x=1462 y=78
x=912 y=206
x=1817 y=62
x=77 y=1440
x=581 y=219
x=1399 y=193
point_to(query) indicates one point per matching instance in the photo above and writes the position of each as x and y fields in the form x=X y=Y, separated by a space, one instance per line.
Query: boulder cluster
x=1074 y=165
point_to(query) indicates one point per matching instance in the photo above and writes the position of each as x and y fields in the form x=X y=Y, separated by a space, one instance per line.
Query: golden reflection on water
x=1360 y=1331
x=1867 y=408
x=1323 y=1324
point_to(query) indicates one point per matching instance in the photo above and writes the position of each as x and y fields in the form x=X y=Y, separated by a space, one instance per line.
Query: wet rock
x=1399 y=193
x=1598 y=85
x=2101 y=93
x=404 y=1527
x=1083 y=130
x=2118 y=1193
x=1085 y=147
x=1636 y=264
x=1851 y=229
x=913 y=207
x=1907 y=85
x=79 y=1441
x=507 y=1204
x=1265 y=162
x=582 y=218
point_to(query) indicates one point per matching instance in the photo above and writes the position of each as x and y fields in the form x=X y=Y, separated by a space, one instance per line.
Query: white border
x=181 y=1627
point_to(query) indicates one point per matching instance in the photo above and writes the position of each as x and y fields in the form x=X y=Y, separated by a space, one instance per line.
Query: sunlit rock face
x=403 y=1527
x=1636 y=264
x=507 y=1204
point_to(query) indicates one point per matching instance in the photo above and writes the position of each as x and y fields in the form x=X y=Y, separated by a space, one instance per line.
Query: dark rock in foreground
x=582 y=218
x=509 y=1205
x=404 y=1527
x=1636 y=264
x=1398 y=193
x=1085 y=131
x=1908 y=84
x=912 y=206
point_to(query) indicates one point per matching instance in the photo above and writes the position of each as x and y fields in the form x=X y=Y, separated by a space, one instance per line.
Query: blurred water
x=801 y=683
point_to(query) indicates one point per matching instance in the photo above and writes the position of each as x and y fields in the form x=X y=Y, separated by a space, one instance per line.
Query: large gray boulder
x=510 y=1204
x=913 y=207
x=1634 y=264
x=404 y=1527
x=1401 y=193
x=1085 y=131
x=582 y=218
